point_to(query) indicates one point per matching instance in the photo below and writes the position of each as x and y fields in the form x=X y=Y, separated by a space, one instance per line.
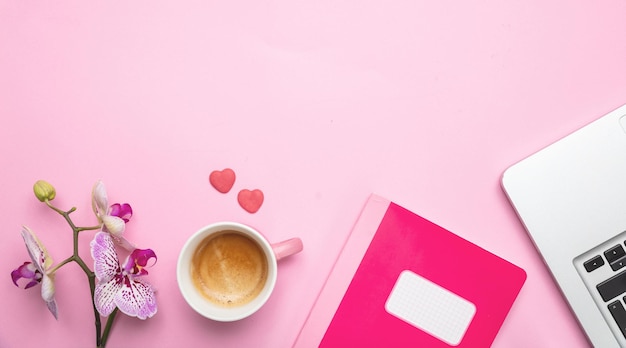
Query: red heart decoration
x=250 y=201
x=222 y=180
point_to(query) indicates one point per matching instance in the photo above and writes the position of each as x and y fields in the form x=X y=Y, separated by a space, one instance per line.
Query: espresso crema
x=229 y=269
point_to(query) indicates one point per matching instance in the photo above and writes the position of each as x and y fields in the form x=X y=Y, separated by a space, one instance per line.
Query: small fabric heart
x=250 y=201
x=222 y=180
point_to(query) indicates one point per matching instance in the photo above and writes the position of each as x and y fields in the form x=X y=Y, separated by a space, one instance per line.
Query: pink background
x=316 y=103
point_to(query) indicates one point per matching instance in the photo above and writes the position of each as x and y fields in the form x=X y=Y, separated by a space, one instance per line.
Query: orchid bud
x=44 y=191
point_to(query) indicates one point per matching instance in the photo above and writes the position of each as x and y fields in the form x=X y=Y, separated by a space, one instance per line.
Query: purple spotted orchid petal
x=26 y=271
x=123 y=211
x=136 y=298
x=137 y=261
x=119 y=287
x=106 y=264
x=105 y=295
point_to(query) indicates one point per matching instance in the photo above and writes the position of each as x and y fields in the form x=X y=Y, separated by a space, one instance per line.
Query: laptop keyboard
x=603 y=270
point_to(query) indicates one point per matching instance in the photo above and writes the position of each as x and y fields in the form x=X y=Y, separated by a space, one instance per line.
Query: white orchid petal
x=124 y=243
x=99 y=200
x=47 y=293
x=106 y=262
x=47 y=288
x=136 y=299
x=37 y=251
x=52 y=306
x=114 y=224
x=105 y=295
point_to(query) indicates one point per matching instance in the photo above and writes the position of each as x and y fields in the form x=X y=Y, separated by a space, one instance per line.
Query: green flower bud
x=44 y=191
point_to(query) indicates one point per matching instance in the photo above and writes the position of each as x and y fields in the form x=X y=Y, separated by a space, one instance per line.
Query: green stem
x=68 y=260
x=107 y=328
x=59 y=210
x=79 y=229
x=92 y=287
x=100 y=338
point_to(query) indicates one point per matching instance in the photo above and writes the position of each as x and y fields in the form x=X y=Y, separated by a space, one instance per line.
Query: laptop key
x=612 y=287
x=615 y=253
x=619 y=315
x=594 y=263
x=615 y=265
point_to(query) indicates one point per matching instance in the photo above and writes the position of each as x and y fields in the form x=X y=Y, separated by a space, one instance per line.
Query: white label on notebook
x=430 y=307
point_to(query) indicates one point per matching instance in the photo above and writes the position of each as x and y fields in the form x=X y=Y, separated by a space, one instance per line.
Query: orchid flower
x=27 y=271
x=37 y=271
x=121 y=286
x=113 y=218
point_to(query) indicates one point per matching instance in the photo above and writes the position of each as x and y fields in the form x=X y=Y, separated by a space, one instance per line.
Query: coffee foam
x=229 y=269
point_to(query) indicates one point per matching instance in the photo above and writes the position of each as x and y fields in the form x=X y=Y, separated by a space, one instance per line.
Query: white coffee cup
x=217 y=311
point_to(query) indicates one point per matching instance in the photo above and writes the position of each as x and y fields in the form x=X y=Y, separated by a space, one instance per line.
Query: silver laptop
x=571 y=198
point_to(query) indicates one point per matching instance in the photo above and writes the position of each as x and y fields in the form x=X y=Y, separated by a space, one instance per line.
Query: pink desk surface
x=316 y=103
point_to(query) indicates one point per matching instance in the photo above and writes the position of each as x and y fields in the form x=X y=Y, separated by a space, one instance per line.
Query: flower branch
x=113 y=287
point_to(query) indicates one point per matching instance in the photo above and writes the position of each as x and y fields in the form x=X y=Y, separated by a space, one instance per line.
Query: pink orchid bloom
x=27 y=271
x=113 y=218
x=37 y=271
x=121 y=286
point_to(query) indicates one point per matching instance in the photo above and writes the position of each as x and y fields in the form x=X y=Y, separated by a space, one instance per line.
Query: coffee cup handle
x=287 y=248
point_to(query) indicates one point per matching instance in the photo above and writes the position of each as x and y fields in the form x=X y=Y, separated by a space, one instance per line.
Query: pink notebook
x=403 y=281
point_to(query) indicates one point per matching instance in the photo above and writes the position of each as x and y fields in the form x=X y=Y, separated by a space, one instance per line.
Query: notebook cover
x=402 y=280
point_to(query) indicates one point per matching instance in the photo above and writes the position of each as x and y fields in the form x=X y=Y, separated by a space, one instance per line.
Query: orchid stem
x=68 y=260
x=92 y=287
x=100 y=337
x=79 y=229
x=107 y=328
